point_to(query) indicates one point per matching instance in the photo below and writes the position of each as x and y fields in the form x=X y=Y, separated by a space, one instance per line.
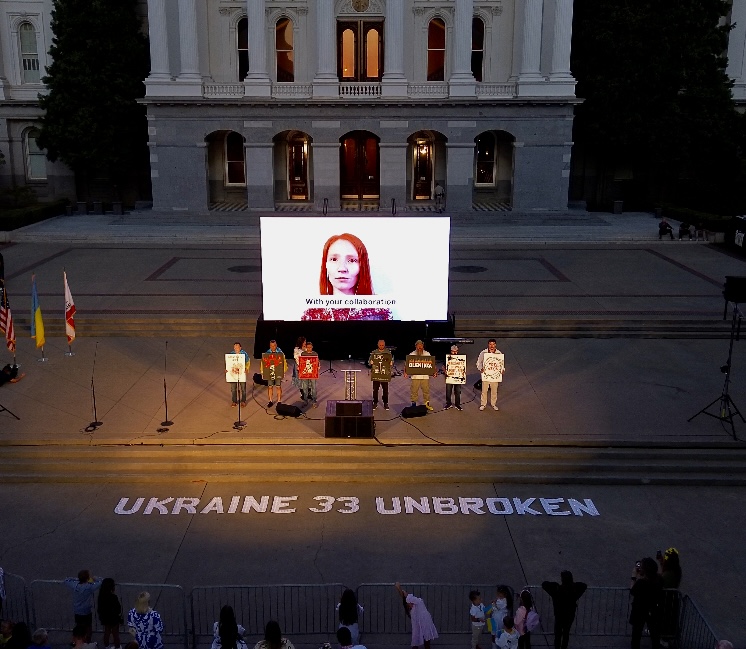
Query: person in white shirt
x=476 y=615
x=345 y=639
x=509 y=637
x=419 y=381
x=487 y=385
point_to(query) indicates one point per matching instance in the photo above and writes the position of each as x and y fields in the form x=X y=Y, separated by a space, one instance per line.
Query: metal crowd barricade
x=305 y=612
x=694 y=630
x=51 y=605
x=16 y=605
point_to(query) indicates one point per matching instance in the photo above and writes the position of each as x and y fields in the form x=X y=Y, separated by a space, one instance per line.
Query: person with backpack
x=565 y=596
x=526 y=619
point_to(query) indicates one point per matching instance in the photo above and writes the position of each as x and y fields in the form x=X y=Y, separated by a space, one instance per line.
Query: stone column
x=259 y=176
x=530 y=81
x=326 y=174
x=326 y=84
x=188 y=40
x=394 y=81
x=561 y=77
x=737 y=49
x=257 y=81
x=393 y=175
x=459 y=176
x=462 y=83
x=160 y=72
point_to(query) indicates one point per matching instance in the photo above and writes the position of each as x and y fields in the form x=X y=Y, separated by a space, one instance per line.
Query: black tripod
x=727 y=408
x=329 y=369
x=12 y=414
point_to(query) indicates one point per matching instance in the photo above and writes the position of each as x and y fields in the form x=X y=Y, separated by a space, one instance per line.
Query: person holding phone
x=646 y=591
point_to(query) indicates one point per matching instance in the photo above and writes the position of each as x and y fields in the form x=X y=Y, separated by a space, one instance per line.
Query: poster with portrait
x=456 y=369
x=308 y=367
x=380 y=369
x=235 y=368
x=417 y=365
x=493 y=368
x=273 y=366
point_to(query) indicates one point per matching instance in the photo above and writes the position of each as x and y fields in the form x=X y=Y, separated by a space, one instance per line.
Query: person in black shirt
x=565 y=598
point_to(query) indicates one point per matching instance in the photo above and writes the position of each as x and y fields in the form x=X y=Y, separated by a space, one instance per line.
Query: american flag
x=6 y=319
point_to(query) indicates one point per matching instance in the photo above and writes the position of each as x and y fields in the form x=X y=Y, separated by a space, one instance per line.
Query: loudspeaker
x=349 y=408
x=288 y=411
x=258 y=380
x=478 y=385
x=361 y=425
x=414 y=411
x=735 y=289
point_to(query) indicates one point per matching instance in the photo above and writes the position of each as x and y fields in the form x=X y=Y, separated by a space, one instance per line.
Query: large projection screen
x=405 y=276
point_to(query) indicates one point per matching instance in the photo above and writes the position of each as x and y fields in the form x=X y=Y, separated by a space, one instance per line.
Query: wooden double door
x=360 y=167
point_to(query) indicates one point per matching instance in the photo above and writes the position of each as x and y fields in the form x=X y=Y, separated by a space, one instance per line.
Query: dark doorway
x=359 y=167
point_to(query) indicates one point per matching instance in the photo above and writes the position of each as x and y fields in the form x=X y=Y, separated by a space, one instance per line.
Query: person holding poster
x=381 y=361
x=275 y=377
x=491 y=363
x=455 y=371
x=419 y=381
x=308 y=372
x=238 y=388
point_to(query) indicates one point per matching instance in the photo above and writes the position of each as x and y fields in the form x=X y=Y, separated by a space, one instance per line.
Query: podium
x=342 y=419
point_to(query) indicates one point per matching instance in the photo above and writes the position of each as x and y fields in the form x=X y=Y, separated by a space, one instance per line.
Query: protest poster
x=235 y=368
x=493 y=367
x=308 y=367
x=456 y=369
x=417 y=365
x=380 y=369
x=273 y=366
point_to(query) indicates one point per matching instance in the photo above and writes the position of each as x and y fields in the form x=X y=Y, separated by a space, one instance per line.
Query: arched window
x=29 y=54
x=436 y=50
x=360 y=50
x=36 y=160
x=235 y=167
x=477 y=47
x=284 y=50
x=242 y=34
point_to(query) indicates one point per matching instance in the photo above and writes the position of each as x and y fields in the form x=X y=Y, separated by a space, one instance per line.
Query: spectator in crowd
x=476 y=616
x=84 y=587
x=109 y=611
x=565 y=596
x=502 y=607
x=40 y=639
x=724 y=644
x=349 y=612
x=664 y=228
x=145 y=624
x=671 y=579
x=684 y=230
x=6 y=630
x=509 y=638
x=273 y=638
x=521 y=619
x=345 y=639
x=423 y=627
x=226 y=626
x=20 y=637
x=646 y=590
x=79 y=638
x=670 y=568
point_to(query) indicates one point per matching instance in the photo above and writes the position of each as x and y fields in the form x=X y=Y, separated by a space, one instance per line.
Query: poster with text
x=456 y=369
x=273 y=366
x=380 y=369
x=493 y=368
x=416 y=365
x=308 y=367
x=235 y=368
x=356 y=268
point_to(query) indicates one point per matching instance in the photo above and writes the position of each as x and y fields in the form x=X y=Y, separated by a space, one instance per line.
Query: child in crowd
x=6 y=630
x=83 y=589
x=79 y=638
x=40 y=639
x=423 y=627
x=110 y=612
x=476 y=615
x=508 y=639
x=499 y=610
x=345 y=639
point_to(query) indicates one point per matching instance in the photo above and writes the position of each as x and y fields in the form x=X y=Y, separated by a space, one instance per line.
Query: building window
x=242 y=33
x=284 y=50
x=360 y=50
x=36 y=160
x=436 y=50
x=485 y=176
x=235 y=167
x=477 y=47
x=29 y=54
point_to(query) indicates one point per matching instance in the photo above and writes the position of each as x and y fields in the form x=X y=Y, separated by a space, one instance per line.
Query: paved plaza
x=612 y=341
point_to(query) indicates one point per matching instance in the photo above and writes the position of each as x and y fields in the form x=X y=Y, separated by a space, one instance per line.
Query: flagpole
x=43 y=358
x=167 y=421
x=69 y=316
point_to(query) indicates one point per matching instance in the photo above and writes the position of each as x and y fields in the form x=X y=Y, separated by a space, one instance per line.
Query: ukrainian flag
x=37 y=324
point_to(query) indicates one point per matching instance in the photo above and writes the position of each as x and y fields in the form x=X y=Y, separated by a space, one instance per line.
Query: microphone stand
x=95 y=423
x=167 y=421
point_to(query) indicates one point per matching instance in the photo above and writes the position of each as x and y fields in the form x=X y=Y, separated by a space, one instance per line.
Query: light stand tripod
x=727 y=405
x=12 y=414
x=329 y=369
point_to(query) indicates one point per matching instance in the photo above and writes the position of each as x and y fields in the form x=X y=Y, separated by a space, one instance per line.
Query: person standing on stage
x=419 y=381
x=486 y=385
x=308 y=386
x=238 y=390
x=381 y=384
x=277 y=382
x=454 y=388
x=300 y=347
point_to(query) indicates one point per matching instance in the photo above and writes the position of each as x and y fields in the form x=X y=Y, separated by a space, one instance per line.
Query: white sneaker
x=481 y=407
x=495 y=408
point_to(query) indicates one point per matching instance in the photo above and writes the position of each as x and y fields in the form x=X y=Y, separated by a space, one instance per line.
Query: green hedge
x=20 y=216
x=709 y=221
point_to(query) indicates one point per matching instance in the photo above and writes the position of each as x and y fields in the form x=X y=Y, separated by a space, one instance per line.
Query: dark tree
x=92 y=120
x=658 y=122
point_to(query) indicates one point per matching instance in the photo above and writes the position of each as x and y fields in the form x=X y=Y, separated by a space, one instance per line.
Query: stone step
x=373 y=463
